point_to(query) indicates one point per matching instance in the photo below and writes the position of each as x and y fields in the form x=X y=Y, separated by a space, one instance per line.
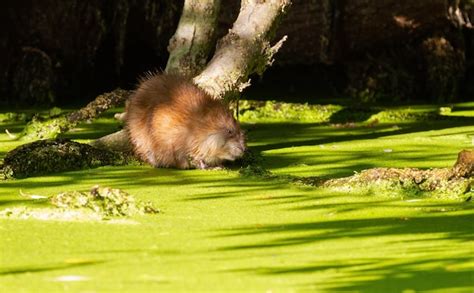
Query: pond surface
x=218 y=230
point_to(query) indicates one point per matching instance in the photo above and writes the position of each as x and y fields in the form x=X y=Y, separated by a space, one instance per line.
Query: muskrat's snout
x=236 y=148
x=241 y=147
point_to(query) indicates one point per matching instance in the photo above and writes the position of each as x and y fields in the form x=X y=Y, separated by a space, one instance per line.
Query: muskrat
x=173 y=123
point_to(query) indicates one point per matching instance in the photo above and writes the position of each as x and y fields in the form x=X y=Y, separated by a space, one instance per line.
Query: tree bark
x=117 y=141
x=461 y=13
x=245 y=49
x=195 y=37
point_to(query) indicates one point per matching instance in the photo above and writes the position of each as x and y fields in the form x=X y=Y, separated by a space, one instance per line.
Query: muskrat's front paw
x=203 y=166
x=215 y=168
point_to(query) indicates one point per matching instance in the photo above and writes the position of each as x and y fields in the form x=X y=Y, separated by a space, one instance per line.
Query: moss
x=54 y=122
x=250 y=111
x=108 y=202
x=40 y=128
x=353 y=114
x=100 y=203
x=405 y=115
x=407 y=182
x=13 y=117
x=272 y=110
x=403 y=182
x=256 y=171
x=48 y=156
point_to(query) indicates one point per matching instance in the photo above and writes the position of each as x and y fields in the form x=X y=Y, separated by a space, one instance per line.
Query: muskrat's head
x=221 y=140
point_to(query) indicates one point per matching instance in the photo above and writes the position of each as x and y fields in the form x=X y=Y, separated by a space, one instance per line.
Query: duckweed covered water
x=220 y=230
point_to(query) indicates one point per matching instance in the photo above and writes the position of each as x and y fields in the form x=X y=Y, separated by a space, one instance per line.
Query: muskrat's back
x=173 y=123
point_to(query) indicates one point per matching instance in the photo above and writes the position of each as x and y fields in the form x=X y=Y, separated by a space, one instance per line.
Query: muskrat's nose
x=242 y=147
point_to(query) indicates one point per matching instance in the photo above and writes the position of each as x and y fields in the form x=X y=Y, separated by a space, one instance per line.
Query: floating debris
x=100 y=203
x=103 y=200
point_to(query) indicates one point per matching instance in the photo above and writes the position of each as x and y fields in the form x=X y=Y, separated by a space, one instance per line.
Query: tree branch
x=245 y=49
x=52 y=126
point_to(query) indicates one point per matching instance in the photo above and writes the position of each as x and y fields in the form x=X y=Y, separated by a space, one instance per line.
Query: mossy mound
x=39 y=128
x=48 y=156
x=100 y=203
x=454 y=183
x=438 y=183
x=106 y=201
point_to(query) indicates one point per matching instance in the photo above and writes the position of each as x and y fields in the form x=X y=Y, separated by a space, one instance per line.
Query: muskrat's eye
x=229 y=131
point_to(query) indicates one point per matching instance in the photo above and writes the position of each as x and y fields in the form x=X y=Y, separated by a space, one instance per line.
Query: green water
x=220 y=231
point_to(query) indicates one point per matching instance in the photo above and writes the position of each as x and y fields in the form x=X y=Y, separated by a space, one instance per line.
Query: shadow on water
x=416 y=249
x=10 y=201
x=47 y=267
x=294 y=135
x=353 y=114
x=384 y=273
x=456 y=226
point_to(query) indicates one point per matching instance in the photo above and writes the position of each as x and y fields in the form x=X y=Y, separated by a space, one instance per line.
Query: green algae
x=273 y=110
x=109 y=202
x=406 y=183
x=44 y=128
x=100 y=203
x=401 y=183
x=220 y=231
x=13 y=117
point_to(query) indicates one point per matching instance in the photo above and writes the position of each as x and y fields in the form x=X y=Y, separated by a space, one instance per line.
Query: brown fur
x=173 y=123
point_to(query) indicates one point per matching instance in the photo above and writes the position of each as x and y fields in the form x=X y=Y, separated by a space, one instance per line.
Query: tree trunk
x=195 y=37
x=245 y=49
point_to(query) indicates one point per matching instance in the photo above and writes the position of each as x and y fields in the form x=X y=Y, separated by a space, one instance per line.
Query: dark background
x=56 y=52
